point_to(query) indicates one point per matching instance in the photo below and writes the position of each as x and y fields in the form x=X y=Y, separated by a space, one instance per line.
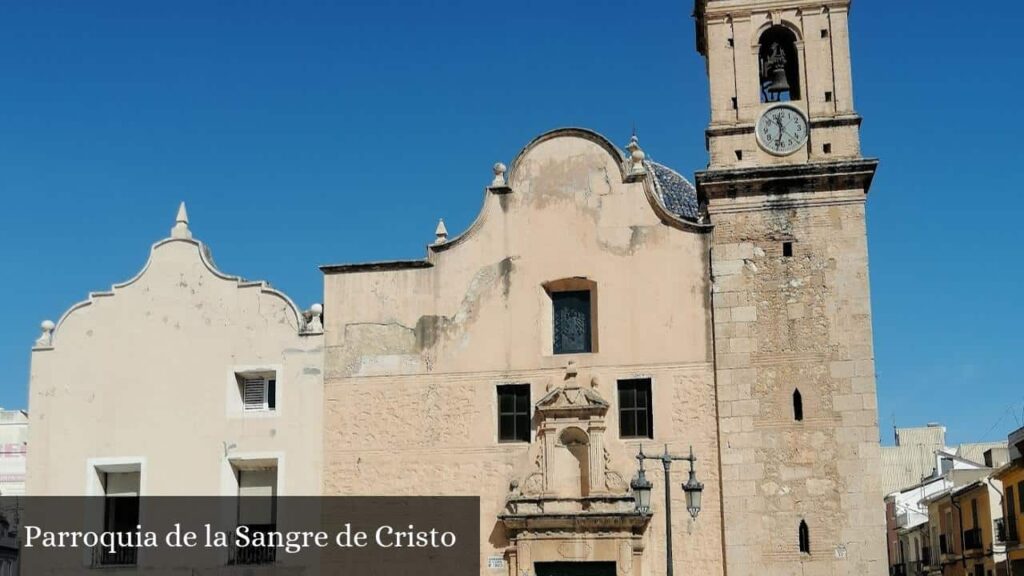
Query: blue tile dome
x=674 y=191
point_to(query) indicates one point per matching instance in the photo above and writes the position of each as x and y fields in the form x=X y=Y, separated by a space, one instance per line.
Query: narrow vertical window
x=120 y=515
x=571 y=322
x=514 y=413
x=805 y=538
x=798 y=406
x=257 y=511
x=1011 y=515
x=636 y=415
x=787 y=249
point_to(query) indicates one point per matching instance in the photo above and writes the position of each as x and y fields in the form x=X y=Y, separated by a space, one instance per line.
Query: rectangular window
x=572 y=322
x=257 y=512
x=259 y=393
x=514 y=413
x=636 y=414
x=120 y=514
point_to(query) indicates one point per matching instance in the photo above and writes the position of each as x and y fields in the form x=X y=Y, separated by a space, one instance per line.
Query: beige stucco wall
x=143 y=376
x=413 y=356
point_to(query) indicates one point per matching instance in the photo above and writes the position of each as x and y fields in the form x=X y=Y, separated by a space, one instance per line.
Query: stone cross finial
x=180 y=229
x=636 y=159
x=46 y=339
x=441 y=232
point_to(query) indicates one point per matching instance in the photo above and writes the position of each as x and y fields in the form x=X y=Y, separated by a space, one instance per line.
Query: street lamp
x=693 y=489
x=642 y=490
x=642 y=493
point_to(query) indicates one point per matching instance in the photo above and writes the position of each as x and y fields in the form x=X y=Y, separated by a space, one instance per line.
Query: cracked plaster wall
x=413 y=356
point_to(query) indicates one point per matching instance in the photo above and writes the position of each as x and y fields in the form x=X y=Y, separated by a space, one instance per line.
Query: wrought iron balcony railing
x=102 y=556
x=254 y=555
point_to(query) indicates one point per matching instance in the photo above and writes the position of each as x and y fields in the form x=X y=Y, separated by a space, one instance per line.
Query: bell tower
x=785 y=190
x=764 y=54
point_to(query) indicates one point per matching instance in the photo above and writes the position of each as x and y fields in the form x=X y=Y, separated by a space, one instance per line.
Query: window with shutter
x=259 y=394
x=254 y=394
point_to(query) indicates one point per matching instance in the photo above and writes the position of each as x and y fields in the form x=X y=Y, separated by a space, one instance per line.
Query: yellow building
x=1012 y=478
x=963 y=530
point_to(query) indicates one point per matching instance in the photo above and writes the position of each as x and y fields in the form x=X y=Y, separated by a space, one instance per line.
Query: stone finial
x=499 y=185
x=46 y=339
x=499 y=175
x=635 y=163
x=180 y=229
x=313 y=319
x=441 y=232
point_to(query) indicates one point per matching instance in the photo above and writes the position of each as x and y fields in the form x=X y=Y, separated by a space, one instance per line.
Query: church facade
x=600 y=306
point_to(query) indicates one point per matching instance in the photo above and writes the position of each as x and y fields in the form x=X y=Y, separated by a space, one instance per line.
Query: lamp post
x=642 y=493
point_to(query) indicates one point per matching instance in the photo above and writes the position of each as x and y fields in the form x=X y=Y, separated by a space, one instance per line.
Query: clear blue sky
x=305 y=133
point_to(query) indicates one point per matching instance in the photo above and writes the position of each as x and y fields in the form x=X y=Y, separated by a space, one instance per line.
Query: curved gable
x=179 y=270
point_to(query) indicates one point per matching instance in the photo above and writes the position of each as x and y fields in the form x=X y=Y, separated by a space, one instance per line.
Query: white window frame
x=236 y=376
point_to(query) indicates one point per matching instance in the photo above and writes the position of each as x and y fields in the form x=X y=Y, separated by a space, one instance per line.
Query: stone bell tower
x=785 y=189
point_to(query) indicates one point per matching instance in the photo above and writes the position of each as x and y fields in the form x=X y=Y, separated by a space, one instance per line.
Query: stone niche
x=568 y=503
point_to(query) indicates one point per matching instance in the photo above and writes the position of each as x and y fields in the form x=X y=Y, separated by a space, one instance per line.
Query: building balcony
x=254 y=555
x=916 y=568
x=102 y=557
x=972 y=539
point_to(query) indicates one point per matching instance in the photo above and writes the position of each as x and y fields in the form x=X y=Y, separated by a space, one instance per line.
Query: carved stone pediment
x=570 y=478
x=572 y=401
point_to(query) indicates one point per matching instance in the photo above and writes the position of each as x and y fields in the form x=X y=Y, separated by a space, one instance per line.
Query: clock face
x=782 y=130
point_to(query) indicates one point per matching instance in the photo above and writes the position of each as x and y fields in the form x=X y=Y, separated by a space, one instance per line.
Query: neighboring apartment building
x=963 y=532
x=1012 y=526
x=598 y=304
x=13 y=451
x=181 y=381
x=917 y=467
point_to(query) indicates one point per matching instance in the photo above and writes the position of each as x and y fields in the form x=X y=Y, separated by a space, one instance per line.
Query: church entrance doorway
x=575 y=568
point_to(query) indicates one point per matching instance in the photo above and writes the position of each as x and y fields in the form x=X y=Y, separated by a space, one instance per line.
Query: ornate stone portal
x=570 y=504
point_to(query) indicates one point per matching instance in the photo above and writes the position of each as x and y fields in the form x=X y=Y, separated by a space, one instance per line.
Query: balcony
x=972 y=539
x=917 y=568
x=102 y=557
x=254 y=555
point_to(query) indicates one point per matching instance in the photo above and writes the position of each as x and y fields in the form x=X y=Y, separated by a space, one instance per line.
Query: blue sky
x=305 y=133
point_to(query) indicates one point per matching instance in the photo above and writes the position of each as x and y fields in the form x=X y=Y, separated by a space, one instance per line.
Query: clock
x=782 y=130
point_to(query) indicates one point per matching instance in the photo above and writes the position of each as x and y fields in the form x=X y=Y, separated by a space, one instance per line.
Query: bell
x=776 y=82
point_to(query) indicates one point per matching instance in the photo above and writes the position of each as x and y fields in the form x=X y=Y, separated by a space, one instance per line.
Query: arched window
x=798 y=406
x=779 y=65
x=805 y=538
